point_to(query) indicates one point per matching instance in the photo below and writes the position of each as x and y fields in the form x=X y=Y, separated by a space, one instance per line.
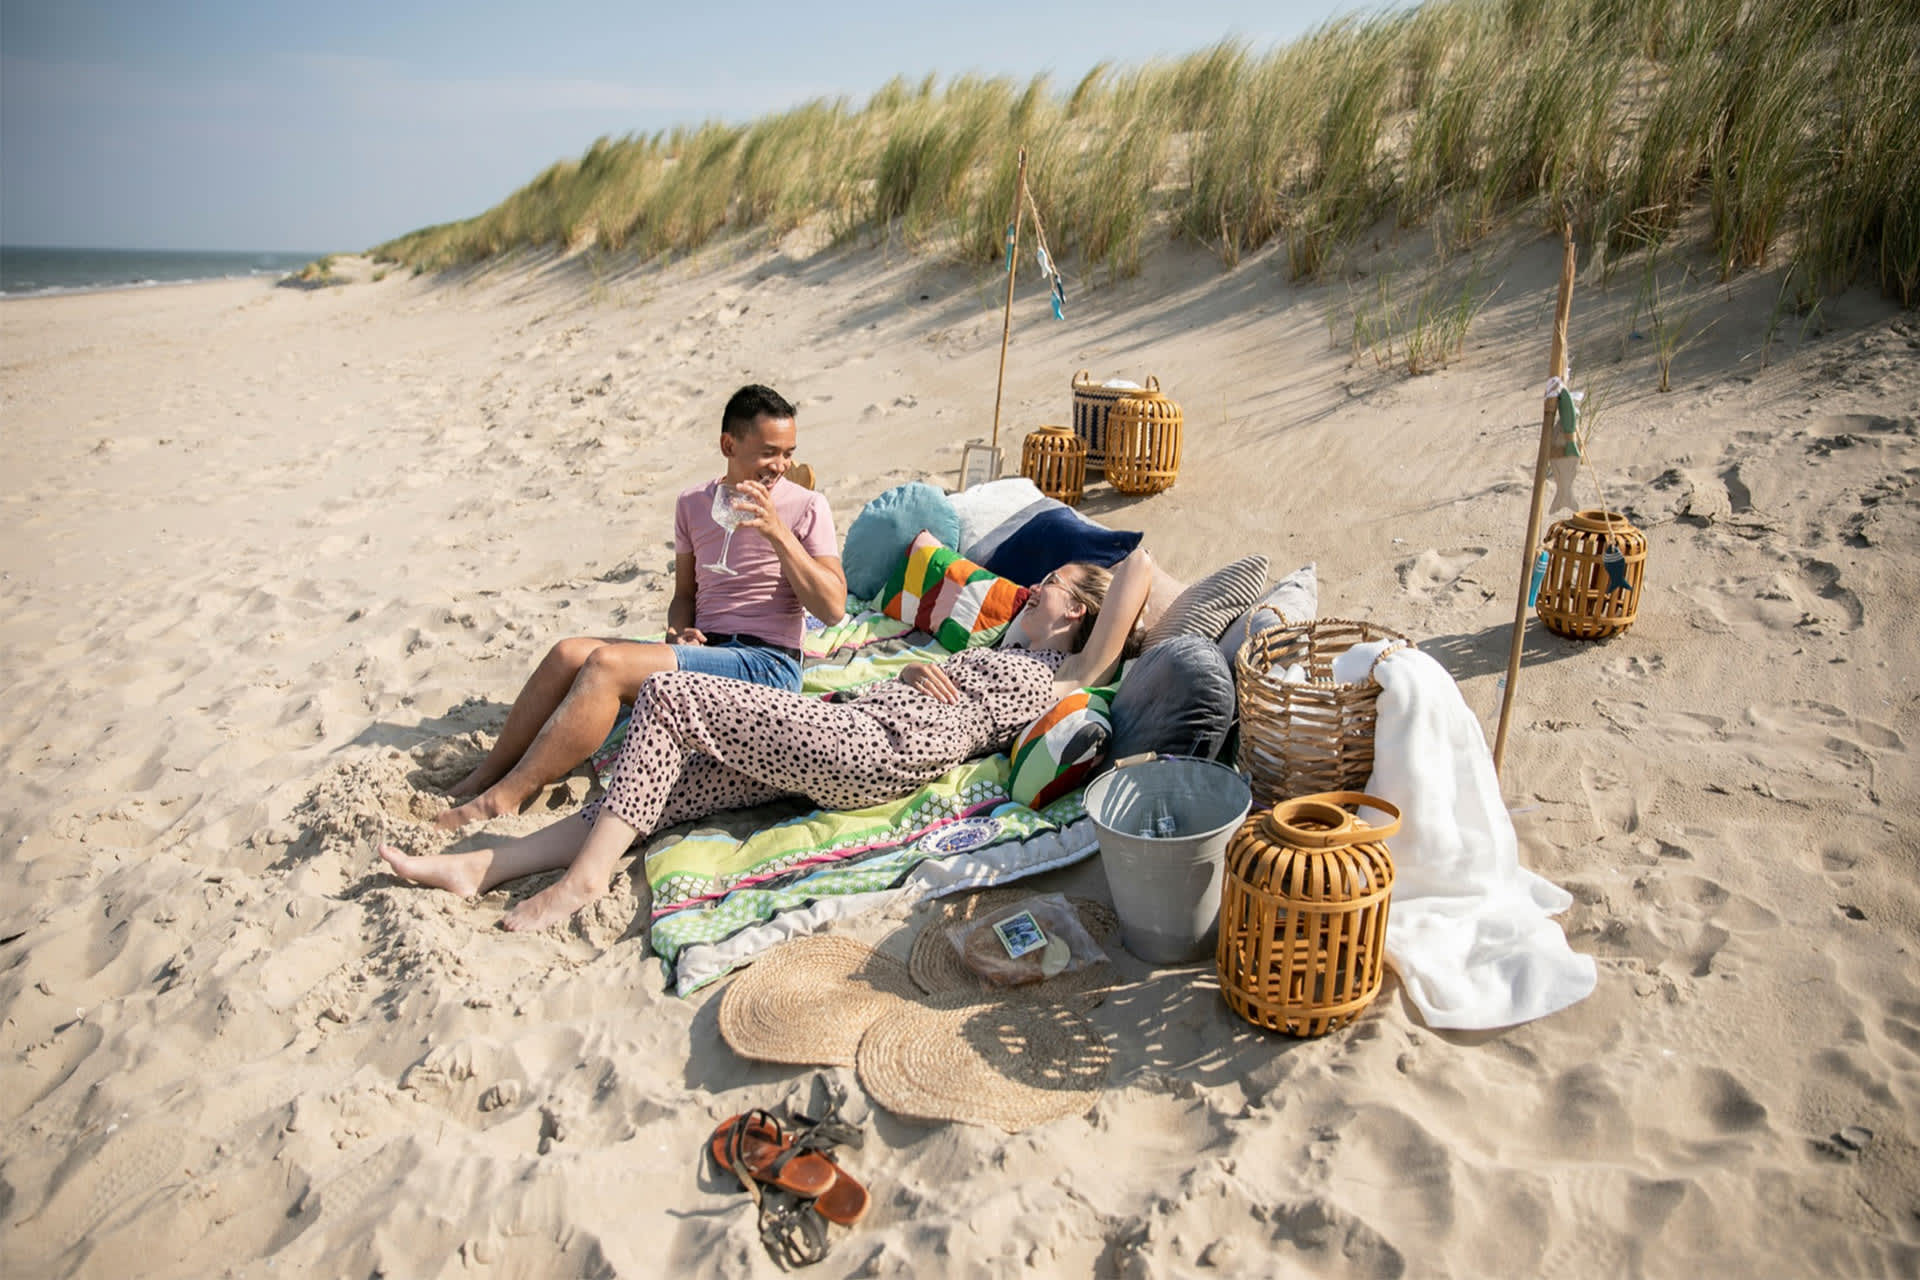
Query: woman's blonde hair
x=1088 y=584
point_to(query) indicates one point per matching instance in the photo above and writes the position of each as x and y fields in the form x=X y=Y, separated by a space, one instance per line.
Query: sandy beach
x=277 y=560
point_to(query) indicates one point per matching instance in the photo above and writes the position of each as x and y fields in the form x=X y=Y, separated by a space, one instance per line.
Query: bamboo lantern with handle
x=1596 y=561
x=1143 y=443
x=1303 y=913
x=1055 y=459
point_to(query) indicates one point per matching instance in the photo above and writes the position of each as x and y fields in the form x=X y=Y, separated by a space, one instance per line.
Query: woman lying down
x=698 y=744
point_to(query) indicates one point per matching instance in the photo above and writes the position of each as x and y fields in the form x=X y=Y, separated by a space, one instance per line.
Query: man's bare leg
x=612 y=674
x=476 y=871
x=586 y=878
x=542 y=693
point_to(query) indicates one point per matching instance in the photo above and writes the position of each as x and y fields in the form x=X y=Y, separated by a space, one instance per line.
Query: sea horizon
x=38 y=270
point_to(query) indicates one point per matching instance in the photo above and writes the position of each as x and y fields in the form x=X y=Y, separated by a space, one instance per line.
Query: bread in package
x=1027 y=941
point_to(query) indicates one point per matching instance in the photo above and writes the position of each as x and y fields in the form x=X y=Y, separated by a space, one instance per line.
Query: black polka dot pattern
x=698 y=744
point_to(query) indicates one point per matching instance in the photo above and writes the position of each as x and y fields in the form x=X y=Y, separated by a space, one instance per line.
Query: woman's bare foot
x=553 y=905
x=461 y=873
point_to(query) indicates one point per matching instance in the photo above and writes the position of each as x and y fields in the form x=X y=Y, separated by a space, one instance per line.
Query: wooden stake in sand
x=1013 y=256
x=1530 y=549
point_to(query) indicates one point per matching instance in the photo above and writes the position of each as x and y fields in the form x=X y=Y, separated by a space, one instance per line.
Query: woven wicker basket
x=1578 y=596
x=1308 y=736
x=1303 y=914
x=1143 y=443
x=1091 y=404
x=1055 y=460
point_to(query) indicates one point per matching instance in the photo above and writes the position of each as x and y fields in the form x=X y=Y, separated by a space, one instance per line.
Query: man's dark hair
x=750 y=404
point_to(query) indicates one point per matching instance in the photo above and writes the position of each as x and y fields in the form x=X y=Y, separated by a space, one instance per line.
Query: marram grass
x=1793 y=124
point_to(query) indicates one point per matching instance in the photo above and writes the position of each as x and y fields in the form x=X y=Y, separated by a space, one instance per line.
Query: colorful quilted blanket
x=723 y=891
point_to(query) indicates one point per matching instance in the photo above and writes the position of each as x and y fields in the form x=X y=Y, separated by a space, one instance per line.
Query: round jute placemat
x=808 y=1001
x=936 y=965
x=1011 y=1064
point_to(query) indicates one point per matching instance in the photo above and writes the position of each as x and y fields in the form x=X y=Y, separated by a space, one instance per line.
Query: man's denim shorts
x=741 y=660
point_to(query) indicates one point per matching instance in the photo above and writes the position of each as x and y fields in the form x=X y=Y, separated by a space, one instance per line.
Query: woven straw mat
x=936 y=965
x=1011 y=1064
x=808 y=1001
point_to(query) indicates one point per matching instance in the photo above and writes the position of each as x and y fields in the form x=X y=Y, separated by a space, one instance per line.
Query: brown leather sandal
x=755 y=1148
x=845 y=1202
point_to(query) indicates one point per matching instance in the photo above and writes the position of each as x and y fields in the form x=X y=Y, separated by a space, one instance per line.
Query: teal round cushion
x=878 y=539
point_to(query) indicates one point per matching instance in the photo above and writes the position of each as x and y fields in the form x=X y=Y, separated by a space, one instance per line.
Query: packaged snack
x=1027 y=941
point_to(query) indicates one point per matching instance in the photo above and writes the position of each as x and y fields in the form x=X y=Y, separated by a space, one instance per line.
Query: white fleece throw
x=1469 y=931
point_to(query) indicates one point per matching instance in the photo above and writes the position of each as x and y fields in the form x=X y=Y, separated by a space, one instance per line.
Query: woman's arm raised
x=1126 y=596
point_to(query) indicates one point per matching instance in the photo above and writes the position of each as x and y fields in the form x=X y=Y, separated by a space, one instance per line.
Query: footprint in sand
x=1433 y=574
x=1635 y=666
x=1807 y=595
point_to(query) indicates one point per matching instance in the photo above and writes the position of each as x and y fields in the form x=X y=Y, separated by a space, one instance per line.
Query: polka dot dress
x=698 y=744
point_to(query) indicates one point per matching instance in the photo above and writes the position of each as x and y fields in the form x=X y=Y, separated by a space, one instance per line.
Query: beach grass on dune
x=1791 y=124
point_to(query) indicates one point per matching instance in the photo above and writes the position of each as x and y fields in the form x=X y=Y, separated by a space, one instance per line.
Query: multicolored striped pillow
x=940 y=591
x=1060 y=750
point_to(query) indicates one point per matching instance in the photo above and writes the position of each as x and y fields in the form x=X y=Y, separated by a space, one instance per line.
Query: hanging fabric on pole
x=1565 y=451
x=1049 y=270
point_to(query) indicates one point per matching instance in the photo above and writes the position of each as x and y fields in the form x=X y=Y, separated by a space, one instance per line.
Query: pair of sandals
x=757 y=1148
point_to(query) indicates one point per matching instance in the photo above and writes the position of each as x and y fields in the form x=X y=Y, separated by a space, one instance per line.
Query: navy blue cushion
x=878 y=539
x=1050 y=537
x=1175 y=699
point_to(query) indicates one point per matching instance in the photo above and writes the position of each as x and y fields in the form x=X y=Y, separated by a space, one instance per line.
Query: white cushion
x=986 y=506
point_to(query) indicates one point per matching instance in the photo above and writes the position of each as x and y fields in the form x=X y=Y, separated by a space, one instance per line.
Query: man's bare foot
x=553 y=905
x=486 y=805
x=461 y=873
x=474 y=783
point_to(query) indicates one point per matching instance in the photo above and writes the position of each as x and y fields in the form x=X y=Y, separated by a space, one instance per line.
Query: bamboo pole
x=1530 y=550
x=1013 y=259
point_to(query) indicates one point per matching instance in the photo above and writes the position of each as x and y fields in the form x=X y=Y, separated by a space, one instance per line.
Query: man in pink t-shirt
x=746 y=624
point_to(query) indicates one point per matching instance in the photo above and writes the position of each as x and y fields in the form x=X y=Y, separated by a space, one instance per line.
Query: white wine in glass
x=728 y=517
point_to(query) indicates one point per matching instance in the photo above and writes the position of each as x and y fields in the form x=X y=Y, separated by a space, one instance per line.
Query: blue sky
x=333 y=126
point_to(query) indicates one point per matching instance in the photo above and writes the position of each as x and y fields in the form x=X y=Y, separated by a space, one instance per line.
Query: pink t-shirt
x=757 y=600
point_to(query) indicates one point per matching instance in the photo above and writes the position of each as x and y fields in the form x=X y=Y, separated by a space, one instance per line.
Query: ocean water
x=27 y=270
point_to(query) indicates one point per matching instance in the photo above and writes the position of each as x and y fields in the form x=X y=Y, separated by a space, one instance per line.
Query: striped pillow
x=1211 y=605
x=939 y=591
x=1060 y=750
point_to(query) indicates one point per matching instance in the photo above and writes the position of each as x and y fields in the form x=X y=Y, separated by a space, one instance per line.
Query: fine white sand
x=275 y=561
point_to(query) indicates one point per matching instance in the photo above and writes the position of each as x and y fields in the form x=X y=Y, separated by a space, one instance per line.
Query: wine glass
x=728 y=517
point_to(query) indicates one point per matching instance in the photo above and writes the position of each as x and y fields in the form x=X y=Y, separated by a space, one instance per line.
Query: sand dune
x=277 y=560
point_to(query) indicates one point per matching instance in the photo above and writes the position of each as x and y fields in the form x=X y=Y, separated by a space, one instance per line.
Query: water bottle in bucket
x=1166 y=888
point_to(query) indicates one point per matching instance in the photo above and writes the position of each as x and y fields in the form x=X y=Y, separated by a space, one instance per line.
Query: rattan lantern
x=1301 y=736
x=1092 y=401
x=1143 y=443
x=1596 y=560
x=1055 y=460
x=1303 y=913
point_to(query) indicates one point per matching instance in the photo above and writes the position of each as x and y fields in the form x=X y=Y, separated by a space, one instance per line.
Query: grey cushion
x=1175 y=699
x=1209 y=606
x=1295 y=598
